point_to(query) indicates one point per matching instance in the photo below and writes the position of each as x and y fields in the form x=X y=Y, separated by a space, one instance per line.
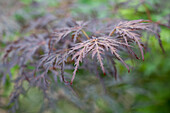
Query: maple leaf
x=97 y=47
x=128 y=30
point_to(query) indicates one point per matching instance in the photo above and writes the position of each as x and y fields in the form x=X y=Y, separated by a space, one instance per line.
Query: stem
x=147 y=12
x=112 y=32
x=150 y=19
x=85 y=34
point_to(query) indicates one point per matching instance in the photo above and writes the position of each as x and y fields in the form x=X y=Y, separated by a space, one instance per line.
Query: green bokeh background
x=146 y=89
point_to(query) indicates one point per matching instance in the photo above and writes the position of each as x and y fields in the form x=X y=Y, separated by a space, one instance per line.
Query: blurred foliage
x=144 y=90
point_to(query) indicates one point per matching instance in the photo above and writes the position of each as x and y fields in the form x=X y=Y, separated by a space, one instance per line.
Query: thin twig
x=85 y=34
